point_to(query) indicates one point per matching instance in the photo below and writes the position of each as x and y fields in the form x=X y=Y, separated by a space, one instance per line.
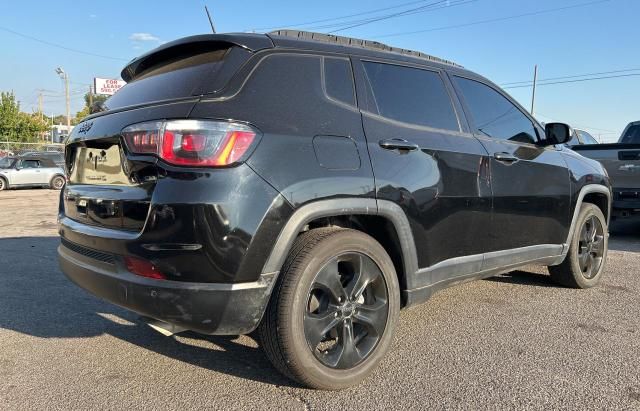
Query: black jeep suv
x=310 y=186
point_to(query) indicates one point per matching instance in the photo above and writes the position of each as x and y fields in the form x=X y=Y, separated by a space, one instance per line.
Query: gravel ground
x=512 y=341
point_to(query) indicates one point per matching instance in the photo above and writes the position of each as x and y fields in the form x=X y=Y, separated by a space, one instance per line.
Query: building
x=59 y=133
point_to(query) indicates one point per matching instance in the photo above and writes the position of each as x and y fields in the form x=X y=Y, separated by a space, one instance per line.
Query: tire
x=57 y=183
x=585 y=262
x=301 y=300
x=3 y=184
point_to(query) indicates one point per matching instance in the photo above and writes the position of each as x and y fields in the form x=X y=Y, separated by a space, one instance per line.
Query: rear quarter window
x=338 y=80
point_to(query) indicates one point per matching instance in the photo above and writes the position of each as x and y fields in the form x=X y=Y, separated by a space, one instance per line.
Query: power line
x=450 y=3
x=575 y=81
x=364 y=13
x=580 y=126
x=438 y=5
x=389 y=16
x=513 y=83
x=26 y=36
x=475 y=23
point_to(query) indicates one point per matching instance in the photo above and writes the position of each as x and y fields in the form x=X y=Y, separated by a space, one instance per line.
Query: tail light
x=192 y=142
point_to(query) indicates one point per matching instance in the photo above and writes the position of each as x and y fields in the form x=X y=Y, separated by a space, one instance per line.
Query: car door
x=425 y=160
x=28 y=172
x=530 y=183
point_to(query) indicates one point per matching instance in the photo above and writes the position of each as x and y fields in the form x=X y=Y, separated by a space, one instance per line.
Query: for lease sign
x=107 y=86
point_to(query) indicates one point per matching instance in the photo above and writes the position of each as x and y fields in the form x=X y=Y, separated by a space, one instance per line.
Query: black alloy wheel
x=586 y=257
x=591 y=247
x=333 y=310
x=347 y=310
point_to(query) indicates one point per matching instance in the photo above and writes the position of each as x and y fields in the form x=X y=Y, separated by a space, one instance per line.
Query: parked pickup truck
x=622 y=161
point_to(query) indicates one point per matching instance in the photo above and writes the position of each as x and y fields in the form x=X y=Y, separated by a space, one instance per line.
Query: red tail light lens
x=143 y=268
x=192 y=142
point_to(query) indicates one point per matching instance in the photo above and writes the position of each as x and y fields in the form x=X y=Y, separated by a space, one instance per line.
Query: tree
x=16 y=125
x=80 y=115
x=60 y=119
x=96 y=98
x=9 y=113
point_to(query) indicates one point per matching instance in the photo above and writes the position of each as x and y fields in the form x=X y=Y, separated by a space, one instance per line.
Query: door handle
x=505 y=157
x=398 y=144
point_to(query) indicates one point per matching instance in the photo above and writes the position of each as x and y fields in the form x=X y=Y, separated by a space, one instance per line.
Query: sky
x=500 y=39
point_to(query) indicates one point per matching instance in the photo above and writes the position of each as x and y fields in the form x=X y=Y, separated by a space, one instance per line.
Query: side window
x=493 y=115
x=411 y=95
x=30 y=164
x=338 y=80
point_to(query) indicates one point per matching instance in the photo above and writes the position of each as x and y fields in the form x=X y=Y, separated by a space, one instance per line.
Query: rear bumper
x=208 y=308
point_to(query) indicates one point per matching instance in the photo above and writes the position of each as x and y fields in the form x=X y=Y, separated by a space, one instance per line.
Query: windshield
x=632 y=136
x=586 y=138
x=6 y=162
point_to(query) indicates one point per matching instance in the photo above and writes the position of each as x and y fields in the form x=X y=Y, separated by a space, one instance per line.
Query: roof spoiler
x=193 y=44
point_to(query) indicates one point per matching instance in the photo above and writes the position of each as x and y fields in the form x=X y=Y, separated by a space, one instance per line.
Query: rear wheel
x=585 y=261
x=57 y=183
x=333 y=311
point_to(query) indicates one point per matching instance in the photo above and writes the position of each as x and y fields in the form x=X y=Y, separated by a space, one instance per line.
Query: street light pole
x=63 y=75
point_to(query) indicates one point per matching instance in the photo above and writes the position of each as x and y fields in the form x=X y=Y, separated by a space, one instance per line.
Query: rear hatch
x=110 y=187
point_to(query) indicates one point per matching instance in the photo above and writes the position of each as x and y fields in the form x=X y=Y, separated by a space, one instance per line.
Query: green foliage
x=16 y=125
x=60 y=119
x=80 y=115
x=96 y=98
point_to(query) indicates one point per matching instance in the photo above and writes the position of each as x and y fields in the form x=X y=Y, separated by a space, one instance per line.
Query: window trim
x=365 y=103
x=472 y=122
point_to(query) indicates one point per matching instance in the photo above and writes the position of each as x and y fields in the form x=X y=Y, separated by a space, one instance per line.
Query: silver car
x=30 y=172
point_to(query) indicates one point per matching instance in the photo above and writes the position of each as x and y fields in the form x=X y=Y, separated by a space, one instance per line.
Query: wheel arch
x=596 y=194
x=5 y=180
x=383 y=220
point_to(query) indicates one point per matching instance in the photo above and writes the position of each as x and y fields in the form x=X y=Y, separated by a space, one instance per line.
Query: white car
x=30 y=172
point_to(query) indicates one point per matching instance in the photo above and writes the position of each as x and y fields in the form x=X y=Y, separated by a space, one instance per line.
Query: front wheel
x=3 y=184
x=333 y=311
x=585 y=262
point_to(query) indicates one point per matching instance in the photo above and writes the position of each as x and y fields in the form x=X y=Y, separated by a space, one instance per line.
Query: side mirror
x=557 y=133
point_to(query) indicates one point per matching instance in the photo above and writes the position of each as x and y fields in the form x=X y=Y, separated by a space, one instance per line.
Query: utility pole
x=535 y=82
x=90 y=98
x=40 y=104
x=63 y=75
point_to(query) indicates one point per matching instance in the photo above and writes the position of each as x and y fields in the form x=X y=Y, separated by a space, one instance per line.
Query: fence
x=12 y=148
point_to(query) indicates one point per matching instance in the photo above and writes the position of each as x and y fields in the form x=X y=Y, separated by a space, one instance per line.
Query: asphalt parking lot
x=512 y=341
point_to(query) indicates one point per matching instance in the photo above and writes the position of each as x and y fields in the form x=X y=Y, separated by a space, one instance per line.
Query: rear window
x=410 y=95
x=170 y=80
x=632 y=135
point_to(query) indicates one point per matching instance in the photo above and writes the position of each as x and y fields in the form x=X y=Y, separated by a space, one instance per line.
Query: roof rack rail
x=367 y=44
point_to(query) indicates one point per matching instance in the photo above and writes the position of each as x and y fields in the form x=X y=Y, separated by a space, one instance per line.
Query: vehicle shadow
x=37 y=299
x=520 y=277
x=625 y=235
